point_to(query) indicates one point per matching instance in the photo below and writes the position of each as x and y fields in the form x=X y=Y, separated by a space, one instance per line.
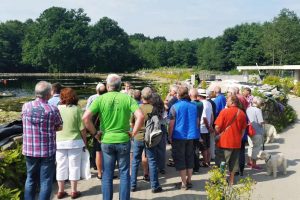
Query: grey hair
x=257 y=101
x=42 y=89
x=113 y=82
x=232 y=90
x=174 y=88
x=147 y=93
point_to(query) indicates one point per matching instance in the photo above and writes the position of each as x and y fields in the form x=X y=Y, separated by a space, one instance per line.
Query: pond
x=22 y=88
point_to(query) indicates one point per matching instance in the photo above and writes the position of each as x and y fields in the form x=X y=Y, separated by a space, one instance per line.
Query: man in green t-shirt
x=114 y=110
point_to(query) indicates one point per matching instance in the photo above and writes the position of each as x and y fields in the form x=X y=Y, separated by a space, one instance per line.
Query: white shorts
x=68 y=163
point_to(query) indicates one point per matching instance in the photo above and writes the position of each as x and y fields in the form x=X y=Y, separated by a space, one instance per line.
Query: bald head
x=193 y=93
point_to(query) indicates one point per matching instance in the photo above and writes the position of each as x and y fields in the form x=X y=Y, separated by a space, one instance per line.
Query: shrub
x=284 y=83
x=162 y=89
x=11 y=194
x=217 y=187
x=296 y=89
x=203 y=85
x=272 y=80
x=278 y=113
x=13 y=170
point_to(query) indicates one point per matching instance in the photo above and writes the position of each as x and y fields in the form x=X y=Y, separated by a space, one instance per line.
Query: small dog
x=270 y=133
x=273 y=162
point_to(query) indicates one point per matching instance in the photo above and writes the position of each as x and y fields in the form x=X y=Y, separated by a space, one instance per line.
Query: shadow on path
x=180 y=197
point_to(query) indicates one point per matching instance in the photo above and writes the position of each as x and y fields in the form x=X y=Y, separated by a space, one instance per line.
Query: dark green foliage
x=7 y=193
x=57 y=41
x=110 y=46
x=13 y=172
x=281 y=39
x=62 y=40
x=11 y=36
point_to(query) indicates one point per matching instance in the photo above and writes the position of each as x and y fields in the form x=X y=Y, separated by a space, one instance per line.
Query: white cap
x=202 y=92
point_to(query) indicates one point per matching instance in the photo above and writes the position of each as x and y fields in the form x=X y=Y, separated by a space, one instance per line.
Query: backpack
x=153 y=132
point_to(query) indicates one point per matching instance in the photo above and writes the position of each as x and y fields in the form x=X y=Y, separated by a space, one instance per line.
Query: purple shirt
x=40 y=121
x=249 y=99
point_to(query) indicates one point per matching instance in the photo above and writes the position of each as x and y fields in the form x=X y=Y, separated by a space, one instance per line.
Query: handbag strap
x=238 y=112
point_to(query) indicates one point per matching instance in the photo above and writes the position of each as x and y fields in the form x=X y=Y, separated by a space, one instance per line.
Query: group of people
x=192 y=120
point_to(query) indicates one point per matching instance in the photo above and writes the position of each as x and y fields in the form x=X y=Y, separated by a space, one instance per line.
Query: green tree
x=11 y=36
x=110 y=46
x=281 y=39
x=209 y=54
x=57 y=41
x=247 y=50
x=226 y=42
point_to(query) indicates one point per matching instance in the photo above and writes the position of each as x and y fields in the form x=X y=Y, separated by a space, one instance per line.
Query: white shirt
x=90 y=100
x=207 y=113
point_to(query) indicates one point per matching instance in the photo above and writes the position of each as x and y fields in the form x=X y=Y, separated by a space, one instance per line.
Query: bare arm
x=87 y=121
x=139 y=121
x=171 y=128
x=206 y=123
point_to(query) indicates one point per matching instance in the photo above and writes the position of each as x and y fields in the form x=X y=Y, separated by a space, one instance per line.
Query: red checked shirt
x=40 y=120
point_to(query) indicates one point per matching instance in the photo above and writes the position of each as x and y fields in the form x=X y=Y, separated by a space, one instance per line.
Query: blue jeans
x=112 y=153
x=152 y=162
x=43 y=168
x=161 y=149
x=138 y=147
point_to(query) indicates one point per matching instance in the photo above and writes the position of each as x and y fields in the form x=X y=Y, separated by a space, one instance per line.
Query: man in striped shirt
x=40 y=123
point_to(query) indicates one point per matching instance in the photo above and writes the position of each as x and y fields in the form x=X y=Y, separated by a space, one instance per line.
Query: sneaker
x=157 y=190
x=256 y=167
x=189 y=185
x=133 y=189
x=171 y=164
x=146 y=178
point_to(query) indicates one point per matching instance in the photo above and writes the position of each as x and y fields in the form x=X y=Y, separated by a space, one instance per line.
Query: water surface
x=23 y=87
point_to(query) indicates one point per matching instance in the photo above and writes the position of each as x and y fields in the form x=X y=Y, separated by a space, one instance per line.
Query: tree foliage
x=62 y=40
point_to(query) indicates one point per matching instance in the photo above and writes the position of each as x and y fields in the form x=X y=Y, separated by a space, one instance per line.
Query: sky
x=173 y=19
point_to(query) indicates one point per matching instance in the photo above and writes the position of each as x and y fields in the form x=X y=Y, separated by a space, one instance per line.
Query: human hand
x=97 y=136
x=170 y=140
